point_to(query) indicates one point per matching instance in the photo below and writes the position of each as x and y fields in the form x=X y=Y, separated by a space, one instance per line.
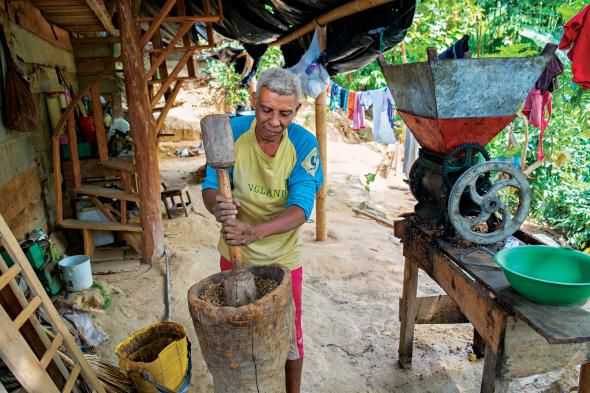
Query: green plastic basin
x=547 y=275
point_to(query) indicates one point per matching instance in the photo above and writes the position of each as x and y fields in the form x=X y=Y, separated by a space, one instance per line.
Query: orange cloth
x=351 y=104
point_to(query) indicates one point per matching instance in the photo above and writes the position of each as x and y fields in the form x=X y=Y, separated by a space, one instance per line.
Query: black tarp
x=353 y=41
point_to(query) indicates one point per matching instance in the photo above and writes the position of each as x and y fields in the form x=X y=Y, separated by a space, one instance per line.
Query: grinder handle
x=225 y=190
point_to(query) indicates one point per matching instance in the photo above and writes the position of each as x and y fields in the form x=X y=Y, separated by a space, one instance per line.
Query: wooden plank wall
x=21 y=203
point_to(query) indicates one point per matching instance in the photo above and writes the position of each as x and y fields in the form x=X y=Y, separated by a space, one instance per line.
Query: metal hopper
x=447 y=103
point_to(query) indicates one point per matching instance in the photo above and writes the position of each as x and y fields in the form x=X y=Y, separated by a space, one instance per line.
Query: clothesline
x=354 y=103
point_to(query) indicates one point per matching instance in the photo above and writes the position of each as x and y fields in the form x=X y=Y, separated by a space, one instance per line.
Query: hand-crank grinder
x=239 y=287
x=453 y=108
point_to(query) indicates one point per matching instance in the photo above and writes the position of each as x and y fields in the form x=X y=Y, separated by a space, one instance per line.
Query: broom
x=112 y=377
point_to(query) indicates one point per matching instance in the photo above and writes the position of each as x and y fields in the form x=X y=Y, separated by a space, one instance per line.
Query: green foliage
x=515 y=28
x=227 y=80
x=369 y=178
x=273 y=57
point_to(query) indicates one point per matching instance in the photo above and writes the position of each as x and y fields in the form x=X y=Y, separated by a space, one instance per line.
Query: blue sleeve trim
x=239 y=125
x=306 y=178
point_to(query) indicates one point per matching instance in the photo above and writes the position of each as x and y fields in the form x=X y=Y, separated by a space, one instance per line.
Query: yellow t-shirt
x=265 y=186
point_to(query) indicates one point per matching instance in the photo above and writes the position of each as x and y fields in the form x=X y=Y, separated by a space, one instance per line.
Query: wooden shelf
x=107 y=193
x=99 y=226
x=119 y=164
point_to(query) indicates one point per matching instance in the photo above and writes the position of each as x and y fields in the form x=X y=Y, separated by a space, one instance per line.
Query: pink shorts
x=297 y=285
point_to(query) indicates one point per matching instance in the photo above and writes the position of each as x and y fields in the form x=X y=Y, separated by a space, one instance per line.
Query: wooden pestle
x=239 y=286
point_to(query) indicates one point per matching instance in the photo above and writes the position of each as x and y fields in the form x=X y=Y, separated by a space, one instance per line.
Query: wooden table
x=521 y=338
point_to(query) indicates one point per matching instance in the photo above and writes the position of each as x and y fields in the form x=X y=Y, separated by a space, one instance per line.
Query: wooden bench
x=521 y=338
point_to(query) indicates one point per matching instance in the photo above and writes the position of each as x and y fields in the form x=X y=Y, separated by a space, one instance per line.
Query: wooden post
x=321 y=134
x=399 y=149
x=142 y=127
x=584 y=384
x=73 y=143
x=57 y=178
x=186 y=40
x=101 y=135
x=407 y=313
x=491 y=381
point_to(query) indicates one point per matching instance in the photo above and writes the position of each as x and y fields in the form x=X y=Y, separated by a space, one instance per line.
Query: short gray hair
x=280 y=81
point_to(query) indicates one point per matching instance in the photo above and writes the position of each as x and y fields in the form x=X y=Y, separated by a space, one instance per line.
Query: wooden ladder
x=15 y=351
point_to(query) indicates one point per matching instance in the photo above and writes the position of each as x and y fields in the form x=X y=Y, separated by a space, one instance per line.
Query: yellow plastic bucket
x=162 y=350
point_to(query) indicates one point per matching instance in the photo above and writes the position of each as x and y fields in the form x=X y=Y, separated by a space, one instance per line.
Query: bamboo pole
x=142 y=126
x=399 y=149
x=345 y=10
x=321 y=134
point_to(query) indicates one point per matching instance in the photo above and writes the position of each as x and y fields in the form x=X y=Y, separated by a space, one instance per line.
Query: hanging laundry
x=334 y=96
x=411 y=147
x=577 y=37
x=358 y=116
x=343 y=103
x=313 y=75
x=538 y=108
x=457 y=50
x=382 y=103
x=548 y=79
x=351 y=104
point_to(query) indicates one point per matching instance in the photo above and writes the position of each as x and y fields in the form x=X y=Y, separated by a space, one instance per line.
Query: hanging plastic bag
x=313 y=76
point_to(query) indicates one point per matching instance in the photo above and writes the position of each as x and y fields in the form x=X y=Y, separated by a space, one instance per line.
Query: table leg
x=584 y=384
x=183 y=204
x=491 y=381
x=408 y=314
x=88 y=242
x=479 y=345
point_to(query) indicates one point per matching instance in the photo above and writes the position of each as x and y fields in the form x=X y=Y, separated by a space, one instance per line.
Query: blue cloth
x=334 y=96
x=306 y=176
x=343 y=99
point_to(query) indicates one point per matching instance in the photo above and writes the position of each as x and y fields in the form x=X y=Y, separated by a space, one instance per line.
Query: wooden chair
x=169 y=193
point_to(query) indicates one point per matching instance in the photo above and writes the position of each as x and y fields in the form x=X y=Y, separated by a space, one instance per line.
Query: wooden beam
x=101 y=135
x=491 y=381
x=172 y=77
x=483 y=313
x=584 y=385
x=182 y=19
x=179 y=49
x=207 y=10
x=100 y=226
x=345 y=10
x=182 y=30
x=57 y=178
x=31 y=19
x=163 y=68
x=88 y=242
x=103 y=209
x=186 y=39
x=103 y=15
x=169 y=104
x=73 y=144
x=142 y=126
x=322 y=136
x=157 y=21
x=439 y=309
x=407 y=311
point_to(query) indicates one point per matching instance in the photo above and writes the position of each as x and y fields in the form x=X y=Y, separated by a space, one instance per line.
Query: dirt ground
x=352 y=285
